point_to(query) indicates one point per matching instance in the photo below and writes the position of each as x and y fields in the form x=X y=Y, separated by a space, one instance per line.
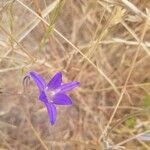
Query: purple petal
x=55 y=82
x=39 y=81
x=43 y=97
x=51 y=112
x=62 y=99
x=68 y=86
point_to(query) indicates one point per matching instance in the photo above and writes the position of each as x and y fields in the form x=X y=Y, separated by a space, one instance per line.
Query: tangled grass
x=103 y=44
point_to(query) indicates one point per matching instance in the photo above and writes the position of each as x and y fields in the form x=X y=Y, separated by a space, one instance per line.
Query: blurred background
x=103 y=44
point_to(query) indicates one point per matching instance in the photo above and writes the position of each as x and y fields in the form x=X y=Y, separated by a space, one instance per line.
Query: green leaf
x=130 y=123
x=147 y=101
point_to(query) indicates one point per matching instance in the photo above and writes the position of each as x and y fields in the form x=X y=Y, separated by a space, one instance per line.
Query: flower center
x=50 y=94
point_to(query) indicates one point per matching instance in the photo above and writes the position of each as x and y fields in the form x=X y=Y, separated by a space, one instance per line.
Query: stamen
x=50 y=94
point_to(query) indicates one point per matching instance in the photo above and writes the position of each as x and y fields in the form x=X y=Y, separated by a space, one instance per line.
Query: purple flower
x=53 y=93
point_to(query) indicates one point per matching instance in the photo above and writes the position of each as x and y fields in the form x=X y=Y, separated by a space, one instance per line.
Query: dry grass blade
x=134 y=8
x=37 y=135
x=132 y=138
x=36 y=21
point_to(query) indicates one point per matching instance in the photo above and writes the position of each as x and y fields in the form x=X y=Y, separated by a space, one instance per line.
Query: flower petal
x=39 y=81
x=68 y=86
x=55 y=82
x=62 y=99
x=43 y=97
x=51 y=112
